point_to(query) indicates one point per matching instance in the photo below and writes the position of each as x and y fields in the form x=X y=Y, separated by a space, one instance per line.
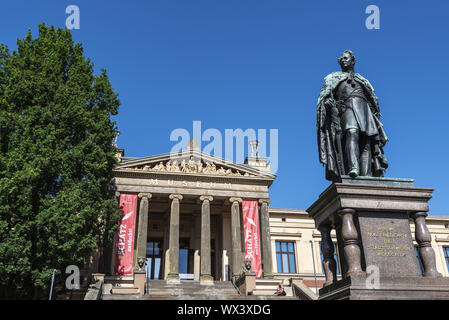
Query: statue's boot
x=354 y=172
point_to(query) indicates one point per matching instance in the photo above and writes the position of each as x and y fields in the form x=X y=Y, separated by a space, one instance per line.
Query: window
x=285 y=257
x=446 y=256
x=337 y=261
x=418 y=260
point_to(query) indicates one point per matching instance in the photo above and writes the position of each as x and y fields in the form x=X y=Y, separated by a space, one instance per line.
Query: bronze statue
x=350 y=135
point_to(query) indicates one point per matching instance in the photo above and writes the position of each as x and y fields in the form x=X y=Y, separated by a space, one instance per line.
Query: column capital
x=175 y=196
x=145 y=195
x=345 y=211
x=206 y=198
x=326 y=228
x=233 y=199
x=267 y=201
x=418 y=214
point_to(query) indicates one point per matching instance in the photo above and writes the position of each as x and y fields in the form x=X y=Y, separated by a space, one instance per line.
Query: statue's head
x=347 y=60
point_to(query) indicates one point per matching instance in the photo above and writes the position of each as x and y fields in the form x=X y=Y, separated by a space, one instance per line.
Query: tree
x=56 y=161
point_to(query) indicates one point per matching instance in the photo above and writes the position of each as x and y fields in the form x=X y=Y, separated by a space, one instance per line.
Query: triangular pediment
x=192 y=162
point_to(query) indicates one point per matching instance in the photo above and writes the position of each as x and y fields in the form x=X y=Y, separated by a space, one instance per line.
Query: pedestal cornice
x=366 y=197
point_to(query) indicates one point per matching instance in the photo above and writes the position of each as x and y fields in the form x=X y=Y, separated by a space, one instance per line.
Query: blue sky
x=260 y=64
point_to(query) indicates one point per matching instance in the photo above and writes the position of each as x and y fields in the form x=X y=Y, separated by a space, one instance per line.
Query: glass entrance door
x=154 y=258
x=185 y=260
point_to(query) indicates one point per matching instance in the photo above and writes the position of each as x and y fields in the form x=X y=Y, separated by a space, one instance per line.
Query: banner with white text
x=251 y=230
x=125 y=236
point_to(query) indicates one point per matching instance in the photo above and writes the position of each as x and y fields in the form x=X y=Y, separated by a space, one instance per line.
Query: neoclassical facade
x=190 y=207
x=189 y=223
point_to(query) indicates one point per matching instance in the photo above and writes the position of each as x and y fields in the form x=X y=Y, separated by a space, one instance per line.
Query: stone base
x=173 y=278
x=125 y=290
x=397 y=288
x=139 y=280
x=206 y=280
x=248 y=285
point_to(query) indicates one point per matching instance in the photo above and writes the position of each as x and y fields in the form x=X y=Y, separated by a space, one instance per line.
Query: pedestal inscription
x=388 y=244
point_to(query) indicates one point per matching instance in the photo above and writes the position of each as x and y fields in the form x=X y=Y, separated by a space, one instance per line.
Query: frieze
x=196 y=184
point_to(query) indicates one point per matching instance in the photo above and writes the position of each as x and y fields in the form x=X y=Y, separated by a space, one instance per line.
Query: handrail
x=303 y=292
x=234 y=281
x=95 y=291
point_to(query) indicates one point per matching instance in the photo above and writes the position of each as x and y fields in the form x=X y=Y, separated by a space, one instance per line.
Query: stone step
x=261 y=292
x=266 y=287
x=118 y=278
x=125 y=290
x=146 y=297
x=122 y=285
x=269 y=282
x=122 y=297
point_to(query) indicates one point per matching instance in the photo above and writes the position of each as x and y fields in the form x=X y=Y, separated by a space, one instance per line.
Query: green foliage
x=56 y=161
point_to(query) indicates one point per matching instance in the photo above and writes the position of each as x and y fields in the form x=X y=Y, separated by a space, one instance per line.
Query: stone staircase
x=190 y=290
x=119 y=285
x=186 y=290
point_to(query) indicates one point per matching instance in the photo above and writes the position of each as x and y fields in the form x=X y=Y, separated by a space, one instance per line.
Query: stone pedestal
x=139 y=281
x=247 y=283
x=371 y=217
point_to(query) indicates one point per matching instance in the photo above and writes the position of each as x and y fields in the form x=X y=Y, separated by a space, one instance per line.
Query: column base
x=173 y=278
x=206 y=279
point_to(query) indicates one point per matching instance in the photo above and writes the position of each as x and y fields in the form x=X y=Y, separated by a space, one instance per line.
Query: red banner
x=125 y=236
x=252 y=238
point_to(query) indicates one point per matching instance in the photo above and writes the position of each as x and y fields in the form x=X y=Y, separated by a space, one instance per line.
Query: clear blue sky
x=260 y=64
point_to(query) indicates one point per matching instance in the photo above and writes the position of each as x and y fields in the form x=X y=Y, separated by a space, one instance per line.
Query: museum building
x=193 y=216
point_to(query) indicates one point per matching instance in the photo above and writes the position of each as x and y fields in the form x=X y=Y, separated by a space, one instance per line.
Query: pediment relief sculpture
x=191 y=166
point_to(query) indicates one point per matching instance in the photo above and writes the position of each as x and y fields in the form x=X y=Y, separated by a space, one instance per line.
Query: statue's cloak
x=326 y=146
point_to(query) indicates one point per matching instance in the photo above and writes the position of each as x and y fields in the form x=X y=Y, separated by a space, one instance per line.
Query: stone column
x=142 y=232
x=327 y=248
x=173 y=274
x=266 y=239
x=205 y=276
x=236 y=237
x=350 y=239
x=425 y=250
x=196 y=258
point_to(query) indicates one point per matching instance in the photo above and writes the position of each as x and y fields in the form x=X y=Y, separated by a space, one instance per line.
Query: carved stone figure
x=191 y=166
x=159 y=167
x=175 y=166
x=350 y=135
x=200 y=167
x=183 y=166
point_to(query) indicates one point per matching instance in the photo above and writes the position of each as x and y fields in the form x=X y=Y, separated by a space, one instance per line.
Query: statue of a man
x=350 y=135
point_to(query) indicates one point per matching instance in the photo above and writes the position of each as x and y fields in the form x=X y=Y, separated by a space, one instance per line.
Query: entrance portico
x=190 y=206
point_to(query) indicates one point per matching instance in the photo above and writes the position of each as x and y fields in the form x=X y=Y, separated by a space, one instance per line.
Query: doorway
x=185 y=260
x=154 y=258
